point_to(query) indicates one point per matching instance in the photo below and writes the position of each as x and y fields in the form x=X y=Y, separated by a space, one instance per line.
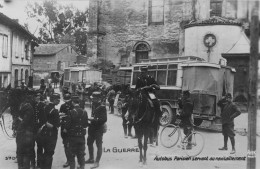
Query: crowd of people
x=36 y=120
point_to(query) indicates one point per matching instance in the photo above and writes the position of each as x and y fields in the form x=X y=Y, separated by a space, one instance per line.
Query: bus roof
x=125 y=68
x=173 y=59
x=207 y=64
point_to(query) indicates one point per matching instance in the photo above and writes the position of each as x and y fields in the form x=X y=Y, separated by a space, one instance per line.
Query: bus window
x=161 y=77
x=162 y=66
x=171 y=79
x=152 y=67
x=66 y=74
x=136 y=68
x=172 y=66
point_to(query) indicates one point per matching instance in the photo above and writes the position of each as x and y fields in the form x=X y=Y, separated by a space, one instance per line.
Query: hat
x=55 y=96
x=144 y=68
x=67 y=97
x=96 y=94
x=228 y=95
x=186 y=92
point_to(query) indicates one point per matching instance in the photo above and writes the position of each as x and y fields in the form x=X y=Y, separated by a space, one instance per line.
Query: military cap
x=55 y=96
x=186 y=92
x=144 y=68
x=228 y=95
x=67 y=97
x=96 y=94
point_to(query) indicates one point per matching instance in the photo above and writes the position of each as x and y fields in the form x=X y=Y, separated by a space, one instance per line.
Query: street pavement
x=115 y=147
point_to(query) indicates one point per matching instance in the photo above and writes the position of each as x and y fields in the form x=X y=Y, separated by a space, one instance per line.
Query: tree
x=60 y=24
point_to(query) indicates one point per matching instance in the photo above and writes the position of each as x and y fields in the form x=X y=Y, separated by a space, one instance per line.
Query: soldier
x=38 y=106
x=64 y=111
x=25 y=137
x=49 y=131
x=229 y=112
x=186 y=106
x=111 y=99
x=77 y=121
x=95 y=131
x=149 y=85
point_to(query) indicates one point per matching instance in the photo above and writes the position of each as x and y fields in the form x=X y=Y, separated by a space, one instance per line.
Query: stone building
x=16 y=50
x=125 y=31
x=52 y=57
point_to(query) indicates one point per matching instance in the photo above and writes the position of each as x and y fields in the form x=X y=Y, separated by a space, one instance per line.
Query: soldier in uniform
x=77 y=121
x=148 y=82
x=95 y=131
x=25 y=137
x=229 y=112
x=111 y=99
x=186 y=106
x=38 y=106
x=64 y=111
x=49 y=131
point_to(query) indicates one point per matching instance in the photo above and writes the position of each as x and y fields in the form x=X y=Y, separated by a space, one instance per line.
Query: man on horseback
x=148 y=82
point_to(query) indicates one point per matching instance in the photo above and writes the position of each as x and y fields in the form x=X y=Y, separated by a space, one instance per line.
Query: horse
x=144 y=119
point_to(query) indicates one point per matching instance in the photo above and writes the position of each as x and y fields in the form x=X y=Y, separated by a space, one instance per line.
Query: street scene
x=129 y=84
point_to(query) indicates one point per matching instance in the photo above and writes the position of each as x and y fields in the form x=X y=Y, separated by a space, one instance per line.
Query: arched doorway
x=141 y=51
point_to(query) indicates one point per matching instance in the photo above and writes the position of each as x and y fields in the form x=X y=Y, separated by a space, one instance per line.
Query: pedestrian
x=65 y=108
x=111 y=99
x=186 y=107
x=25 y=136
x=229 y=112
x=49 y=131
x=38 y=106
x=49 y=91
x=96 y=129
x=77 y=121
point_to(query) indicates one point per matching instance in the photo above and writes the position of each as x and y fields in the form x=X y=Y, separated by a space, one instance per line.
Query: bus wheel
x=167 y=115
x=197 y=121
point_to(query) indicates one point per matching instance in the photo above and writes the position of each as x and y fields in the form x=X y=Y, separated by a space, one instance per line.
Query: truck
x=207 y=83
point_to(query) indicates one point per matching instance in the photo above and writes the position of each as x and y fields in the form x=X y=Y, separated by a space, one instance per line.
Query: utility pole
x=253 y=76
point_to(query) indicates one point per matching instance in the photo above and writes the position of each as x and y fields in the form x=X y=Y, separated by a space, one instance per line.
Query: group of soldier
x=36 y=121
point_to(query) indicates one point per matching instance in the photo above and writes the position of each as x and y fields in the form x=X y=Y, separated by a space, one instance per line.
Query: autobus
x=206 y=82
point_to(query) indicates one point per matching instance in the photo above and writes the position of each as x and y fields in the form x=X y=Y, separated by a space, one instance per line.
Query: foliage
x=103 y=64
x=59 y=23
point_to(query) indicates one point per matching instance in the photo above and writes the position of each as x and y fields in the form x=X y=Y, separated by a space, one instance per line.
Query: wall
x=125 y=23
x=226 y=36
x=6 y=62
x=49 y=62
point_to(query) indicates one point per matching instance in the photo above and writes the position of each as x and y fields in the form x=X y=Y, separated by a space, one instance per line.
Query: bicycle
x=171 y=134
x=6 y=123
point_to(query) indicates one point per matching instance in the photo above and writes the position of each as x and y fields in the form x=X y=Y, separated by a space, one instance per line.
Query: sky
x=15 y=9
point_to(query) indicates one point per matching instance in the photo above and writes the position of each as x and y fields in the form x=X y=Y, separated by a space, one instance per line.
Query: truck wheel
x=197 y=121
x=167 y=115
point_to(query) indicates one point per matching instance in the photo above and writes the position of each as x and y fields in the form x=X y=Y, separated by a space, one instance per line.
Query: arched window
x=141 y=51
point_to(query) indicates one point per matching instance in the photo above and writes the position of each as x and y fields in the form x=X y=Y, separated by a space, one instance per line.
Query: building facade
x=125 y=31
x=52 y=57
x=16 y=50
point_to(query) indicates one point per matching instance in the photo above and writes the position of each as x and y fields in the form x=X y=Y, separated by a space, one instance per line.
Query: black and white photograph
x=125 y=84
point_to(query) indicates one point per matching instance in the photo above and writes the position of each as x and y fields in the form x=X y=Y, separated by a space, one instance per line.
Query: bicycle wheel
x=6 y=124
x=169 y=135
x=196 y=144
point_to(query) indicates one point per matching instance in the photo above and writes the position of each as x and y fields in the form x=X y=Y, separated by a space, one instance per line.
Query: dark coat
x=187 y=109
x=100 y=117
x=26 y=113
x=77 y=121
x=229 y=111
x=145 y=81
